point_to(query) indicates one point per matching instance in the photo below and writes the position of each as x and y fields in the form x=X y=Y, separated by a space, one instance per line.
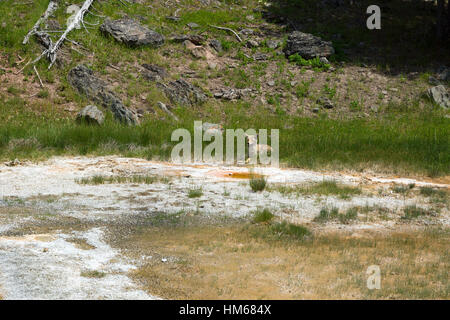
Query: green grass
x=290 y=231
x=195 y=193
x=331 y=214
x=315 y=63
x=326 y=187
x=136 y=179
x=405 y=144
x=262 y=216
x=402 y=142
x=257 y=183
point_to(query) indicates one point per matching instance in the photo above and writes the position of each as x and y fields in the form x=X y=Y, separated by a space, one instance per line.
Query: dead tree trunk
x=78 y=19
x=52 y=6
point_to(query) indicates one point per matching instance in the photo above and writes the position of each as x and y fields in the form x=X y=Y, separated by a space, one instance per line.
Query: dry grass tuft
x=235 y=262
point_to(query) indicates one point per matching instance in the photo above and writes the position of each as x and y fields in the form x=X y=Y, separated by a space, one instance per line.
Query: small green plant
x=262 y=216
x=355 y=106
x=226 y=45
x=302 y=89
x=43 y=94
x=258 y=183
x=331 y=92
x=315 y=63
x=289 y=230
x=195 y=193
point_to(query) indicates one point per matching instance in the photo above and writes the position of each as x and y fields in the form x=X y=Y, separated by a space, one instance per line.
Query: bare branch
x=51 y=54
x=228 y=29
x=37 y=73
x=52 y=6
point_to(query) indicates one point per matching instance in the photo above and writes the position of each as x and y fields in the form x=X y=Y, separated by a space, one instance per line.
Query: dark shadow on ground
x=406 y=42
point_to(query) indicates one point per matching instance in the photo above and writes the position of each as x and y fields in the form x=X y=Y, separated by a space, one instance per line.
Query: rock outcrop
x=132 y=33
x=440 y=96
x=308 y=46
x=231 y=94
x=90 y=114
x=152 y=72
x=183 y=92
x=83 y=79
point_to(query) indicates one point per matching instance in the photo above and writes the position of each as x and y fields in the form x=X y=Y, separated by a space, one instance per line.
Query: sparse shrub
x=350 y=214
x=262 y=216
x=426 y=191
x=284 y=229
x=327 y=214
x=400 y=189
x=195 y=193
x=13 y=90
x=435 y=194
x=258 y=183
x=413 y=211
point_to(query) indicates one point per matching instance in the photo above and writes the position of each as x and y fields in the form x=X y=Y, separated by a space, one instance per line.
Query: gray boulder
x=251 y=43
x=261 y=56
x=272 y=44
x=440 y=96
x=216 y=45
x=307 y=45
x=130 y=32
x=183 y=92
x=231 y=94
x=193 y=25
x=83 y=79
x=91 y=115
x=444 y=74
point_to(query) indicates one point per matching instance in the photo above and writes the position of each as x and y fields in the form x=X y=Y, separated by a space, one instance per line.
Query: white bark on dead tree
x=78 y=19
x=52 y=6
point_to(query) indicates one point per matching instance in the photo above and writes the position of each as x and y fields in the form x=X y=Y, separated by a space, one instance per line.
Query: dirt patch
x=237 y=175
x=81 y=243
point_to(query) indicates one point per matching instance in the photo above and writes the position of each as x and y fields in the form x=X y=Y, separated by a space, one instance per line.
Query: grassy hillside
x=380 y=121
